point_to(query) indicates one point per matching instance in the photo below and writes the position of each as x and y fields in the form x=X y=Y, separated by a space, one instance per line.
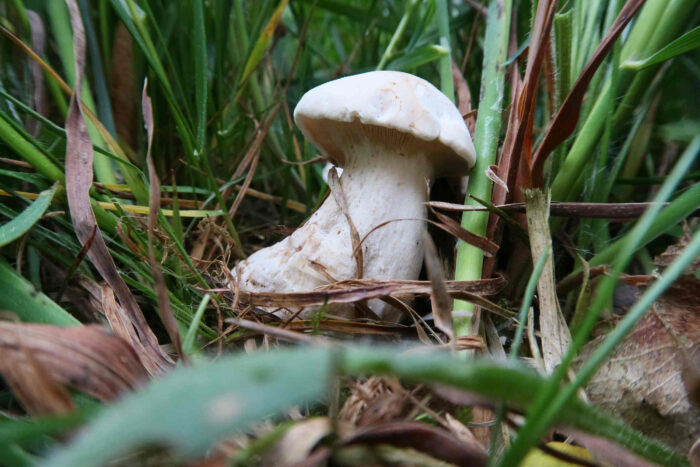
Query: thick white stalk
x=379 y=184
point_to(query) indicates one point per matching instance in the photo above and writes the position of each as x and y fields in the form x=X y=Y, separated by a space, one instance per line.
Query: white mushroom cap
x=388 y=100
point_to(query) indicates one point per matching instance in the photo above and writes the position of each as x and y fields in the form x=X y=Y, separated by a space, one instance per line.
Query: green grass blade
x=201 y=72
x=21 y=224
x=687 y=42
x=20 y=297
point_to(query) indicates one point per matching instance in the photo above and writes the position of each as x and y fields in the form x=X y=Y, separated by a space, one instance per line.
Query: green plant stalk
x=445 y=64
x=397 y=34
x=543 y=412
x=470 y=259
x=29 y=152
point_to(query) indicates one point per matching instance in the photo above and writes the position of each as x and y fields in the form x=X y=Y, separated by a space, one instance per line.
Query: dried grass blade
x=454 y=228
x=565 y=121
x=166 y=311
x=339 y=197
x=374 y=289
x=439 y=298
x=79 y=173
x=555 y=334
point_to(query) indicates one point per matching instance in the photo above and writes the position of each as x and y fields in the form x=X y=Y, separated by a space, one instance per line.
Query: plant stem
x=469 y=258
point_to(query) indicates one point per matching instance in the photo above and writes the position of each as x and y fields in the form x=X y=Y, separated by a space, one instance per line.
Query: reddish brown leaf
x=79 y=157
x=90 y=359
x=166 y=311
x=454 y=228
x=122 y=90
x=565 y=121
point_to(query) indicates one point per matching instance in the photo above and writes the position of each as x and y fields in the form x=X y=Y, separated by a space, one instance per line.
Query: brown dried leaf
x=79 y=157
x=30 y=382
x=420 y=437
x=440 y=300
x=454 y=228
x=643 y=380
x=90 y=359
x=166 y=311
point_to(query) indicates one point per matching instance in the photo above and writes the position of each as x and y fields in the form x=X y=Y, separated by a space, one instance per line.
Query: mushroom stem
x=380 y=183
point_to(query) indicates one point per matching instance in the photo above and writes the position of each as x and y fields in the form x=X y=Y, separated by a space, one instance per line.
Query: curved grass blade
x=26 y=219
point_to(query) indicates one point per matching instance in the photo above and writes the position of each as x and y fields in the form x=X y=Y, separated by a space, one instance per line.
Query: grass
x=224 y=77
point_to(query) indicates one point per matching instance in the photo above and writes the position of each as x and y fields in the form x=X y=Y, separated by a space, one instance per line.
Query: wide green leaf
x=193 y=407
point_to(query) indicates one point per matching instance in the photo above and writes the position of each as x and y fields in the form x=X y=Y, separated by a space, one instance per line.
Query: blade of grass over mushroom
x=78 y=181
x=488 y=125
x=21 y=224
x=229 y=395
x=166 y=311
x=543 y=412
x=30 y=305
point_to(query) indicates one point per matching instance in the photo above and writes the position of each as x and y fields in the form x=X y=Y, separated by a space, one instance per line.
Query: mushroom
x=390 y=131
